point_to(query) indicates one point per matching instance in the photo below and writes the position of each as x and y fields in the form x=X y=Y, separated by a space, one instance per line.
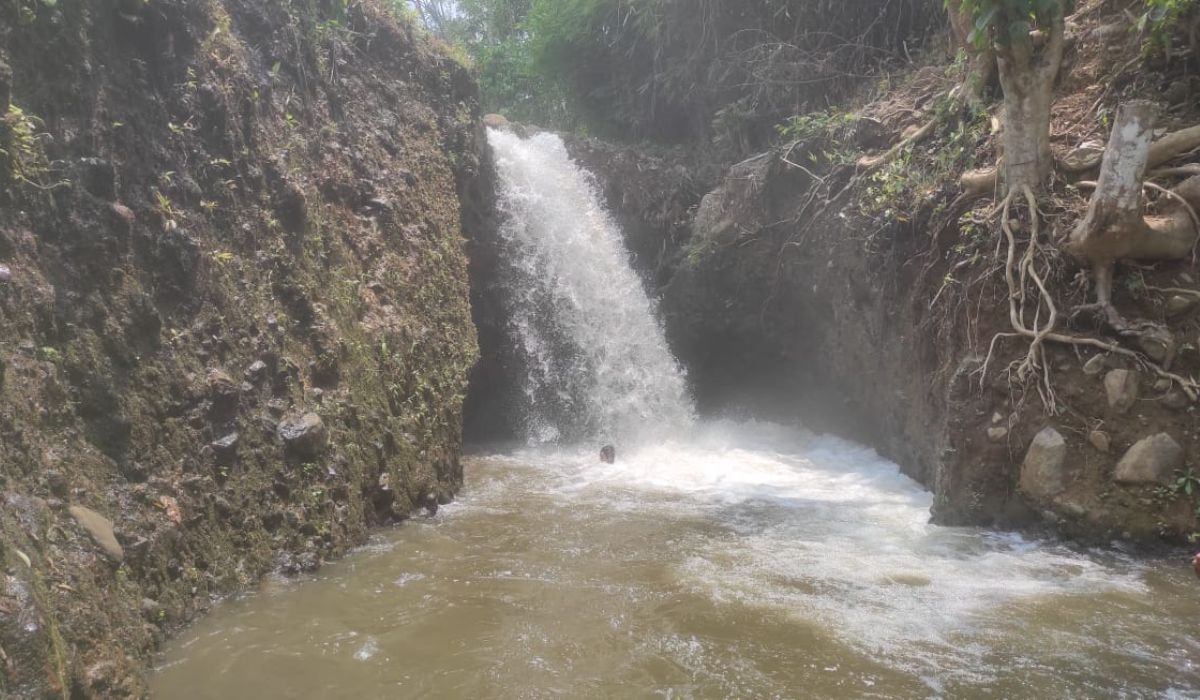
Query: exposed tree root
x=1163 y=150
x=1033 y=366
x=868 y=164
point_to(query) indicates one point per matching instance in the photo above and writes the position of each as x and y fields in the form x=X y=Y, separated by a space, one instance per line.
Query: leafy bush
x=1162 y=19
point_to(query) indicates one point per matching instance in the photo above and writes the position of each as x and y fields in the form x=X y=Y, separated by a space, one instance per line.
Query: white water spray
x=596 y=360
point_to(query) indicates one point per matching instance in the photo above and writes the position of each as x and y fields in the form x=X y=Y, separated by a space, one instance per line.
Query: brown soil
x=217 y=218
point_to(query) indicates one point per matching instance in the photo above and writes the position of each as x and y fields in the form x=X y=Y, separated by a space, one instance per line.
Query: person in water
x=608 y=454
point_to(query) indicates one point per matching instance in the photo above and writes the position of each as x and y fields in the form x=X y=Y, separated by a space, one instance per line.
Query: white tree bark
x=1027 y=78
x=1115 y=226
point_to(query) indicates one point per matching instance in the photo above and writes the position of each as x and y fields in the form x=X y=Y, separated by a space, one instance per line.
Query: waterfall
x=596 y=361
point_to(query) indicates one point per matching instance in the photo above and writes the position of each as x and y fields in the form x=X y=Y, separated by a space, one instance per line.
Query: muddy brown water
x=750 y=562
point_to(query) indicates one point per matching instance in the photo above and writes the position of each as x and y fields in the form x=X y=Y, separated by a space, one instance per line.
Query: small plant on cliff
x=21 y=154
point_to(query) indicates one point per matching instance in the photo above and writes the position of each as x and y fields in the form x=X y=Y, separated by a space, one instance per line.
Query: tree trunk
x=982 y=66
x=1027 y=78
x=1028 y=161
x=1115 y=227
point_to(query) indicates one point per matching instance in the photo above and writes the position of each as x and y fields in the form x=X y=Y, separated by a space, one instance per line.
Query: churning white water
x=596 y=361
x=712 y=560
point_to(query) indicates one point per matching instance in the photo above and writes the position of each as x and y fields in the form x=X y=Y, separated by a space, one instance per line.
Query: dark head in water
x=608 y=454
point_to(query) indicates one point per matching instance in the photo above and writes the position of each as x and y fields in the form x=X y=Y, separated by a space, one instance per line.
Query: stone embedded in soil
x=225 y=448
x=1042 y=473
x=221 y=385
x=5 y=274
x=1151 y=460
x=1095 y=365
x=303 y=436
x=256 y=372
x=1100 y=441
x=997 y=433
x=101 y=530
x=1121 y=385
x=1176 y=399
x=123 y=214
x=1179 y=305
x=99 y=177
x=1159 y=346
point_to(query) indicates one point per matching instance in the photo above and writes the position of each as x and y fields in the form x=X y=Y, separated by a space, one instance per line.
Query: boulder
x=303 y=436
x=1151 y=460
x=1042 y=473
x=101 y=530
x=1121 y=385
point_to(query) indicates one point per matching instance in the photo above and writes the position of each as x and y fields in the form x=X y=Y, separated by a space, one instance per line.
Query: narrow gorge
x=306 y=363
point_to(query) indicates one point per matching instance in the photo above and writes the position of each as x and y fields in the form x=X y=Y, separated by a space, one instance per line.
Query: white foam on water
x=826 y=531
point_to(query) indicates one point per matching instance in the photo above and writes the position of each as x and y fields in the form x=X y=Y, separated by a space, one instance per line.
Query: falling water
x=596 y=360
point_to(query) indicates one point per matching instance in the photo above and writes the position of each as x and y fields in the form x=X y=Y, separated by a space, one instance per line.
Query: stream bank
x=235 y=329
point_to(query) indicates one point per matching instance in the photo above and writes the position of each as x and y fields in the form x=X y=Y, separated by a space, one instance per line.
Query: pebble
x=5 y=274
x=1100 y=441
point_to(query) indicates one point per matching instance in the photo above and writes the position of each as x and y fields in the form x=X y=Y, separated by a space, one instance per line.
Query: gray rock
x=303 y=436
x=1159 y=345
x=1095 y=365
x=256 y=371
x=1042 y=473
x=1179 y=305
x=5 y=273
x=1151 y=460
x=101 y=530
x=1177 y=400
x=225 y=449
x=1121 y=385
x=997 y=433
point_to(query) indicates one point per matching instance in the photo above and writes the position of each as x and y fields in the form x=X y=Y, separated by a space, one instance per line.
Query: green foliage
x=898 y=188
x=22 y=159
x=1008 y=22
x=1186 y=485
x=1162 y=19
x=674 y=69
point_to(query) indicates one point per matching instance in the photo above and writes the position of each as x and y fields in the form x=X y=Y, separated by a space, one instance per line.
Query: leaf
x=984 y=20
x=23 y=557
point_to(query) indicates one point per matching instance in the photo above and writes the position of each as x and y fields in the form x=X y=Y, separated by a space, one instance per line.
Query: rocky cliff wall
x=234 y=317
